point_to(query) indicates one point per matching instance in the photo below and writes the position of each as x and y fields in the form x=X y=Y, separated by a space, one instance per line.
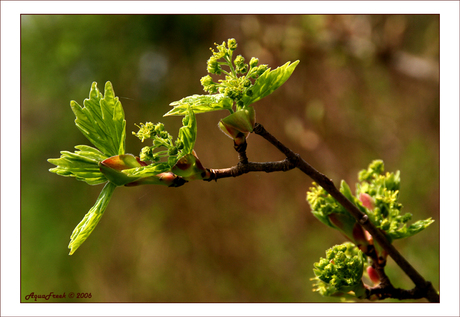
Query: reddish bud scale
x=367 y=201
x=113 y=166
x=373 y=275
x=351 y=229
x=166 y=178
x=189 y=167
x=239 y=124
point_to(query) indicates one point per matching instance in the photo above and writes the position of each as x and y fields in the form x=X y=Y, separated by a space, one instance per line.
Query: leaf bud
x=373 y=275
x=367 y=201
x=189 y=167
x=166 y=178
x=113 y=166
x=241 y=121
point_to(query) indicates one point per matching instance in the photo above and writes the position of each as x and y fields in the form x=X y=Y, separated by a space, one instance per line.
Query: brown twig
x=244 y=166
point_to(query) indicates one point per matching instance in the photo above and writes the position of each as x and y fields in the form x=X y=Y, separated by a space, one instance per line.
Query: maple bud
x=189 y=167
x=113 y=166
x=239 y=124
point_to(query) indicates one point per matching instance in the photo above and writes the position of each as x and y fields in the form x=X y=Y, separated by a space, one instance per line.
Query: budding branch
x=294 y=160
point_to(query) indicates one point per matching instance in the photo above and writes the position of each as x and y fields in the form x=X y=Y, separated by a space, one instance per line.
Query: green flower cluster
x=341 y=271
x=161 y=138
x=378 y=193
x=377 y=196
x=243 y=85
x=237 y=82
x=326 y=209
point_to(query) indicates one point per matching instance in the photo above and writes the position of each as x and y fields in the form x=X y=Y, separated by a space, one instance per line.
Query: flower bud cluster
x=150 y=130
x=237 y=82
x=331 y=213
x=378 y=192
x=341 y=271
x=160 y=138
x=377 y=197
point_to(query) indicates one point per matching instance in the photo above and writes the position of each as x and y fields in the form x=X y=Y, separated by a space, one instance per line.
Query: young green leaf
x=147 y=171
x=269 y=81
x=102 y=120
x=200 y=104
x=91 y=219
x=187 y=134
x=83 y=165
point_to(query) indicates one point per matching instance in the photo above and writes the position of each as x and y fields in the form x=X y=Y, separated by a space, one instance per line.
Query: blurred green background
x=367 y=87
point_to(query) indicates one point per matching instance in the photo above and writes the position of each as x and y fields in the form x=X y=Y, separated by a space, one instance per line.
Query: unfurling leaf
x=200 y=104
x=269 y=81
x=102 y=120
x=91 y=219
x=83 y=165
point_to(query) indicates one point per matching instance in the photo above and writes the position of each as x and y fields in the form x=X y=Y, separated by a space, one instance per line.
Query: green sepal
x=200 y=104
x=269 y=81
x=82 y=164
x=91 y=219
x=102 y=120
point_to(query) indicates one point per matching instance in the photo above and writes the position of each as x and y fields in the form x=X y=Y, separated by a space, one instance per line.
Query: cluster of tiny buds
x=150 y=130
x=161 y=138
x=233 y=86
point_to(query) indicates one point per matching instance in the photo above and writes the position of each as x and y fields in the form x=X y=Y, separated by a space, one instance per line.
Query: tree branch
x=243 y=168
x=422 y=286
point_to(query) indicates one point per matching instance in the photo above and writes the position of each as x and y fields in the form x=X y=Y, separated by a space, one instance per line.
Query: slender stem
x=322 y=180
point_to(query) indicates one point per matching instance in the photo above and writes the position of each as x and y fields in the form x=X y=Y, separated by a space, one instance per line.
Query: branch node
x=364 y=219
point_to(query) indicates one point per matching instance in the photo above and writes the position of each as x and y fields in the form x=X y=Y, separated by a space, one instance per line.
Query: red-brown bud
x=189 y=167
x=113 y=166
x=373 y=275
